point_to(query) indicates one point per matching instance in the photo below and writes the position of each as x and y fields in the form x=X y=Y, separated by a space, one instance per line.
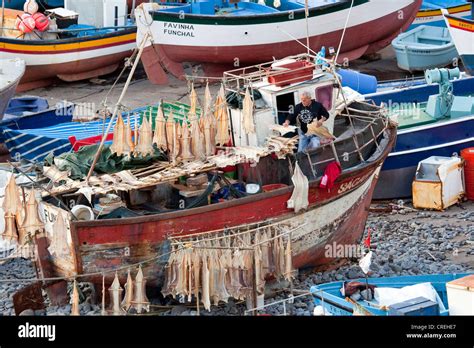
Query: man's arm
x=323 y=115
x=291 y=118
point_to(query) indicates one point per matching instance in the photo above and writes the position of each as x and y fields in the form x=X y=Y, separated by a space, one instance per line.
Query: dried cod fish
x=120 y=144
x=75 y=299
x=159 y=138
x=222 y=117
x=145 y=138
x=115 y=295
x=32 y=223
x=185 y=143
x=140 y=301
x=128 y=298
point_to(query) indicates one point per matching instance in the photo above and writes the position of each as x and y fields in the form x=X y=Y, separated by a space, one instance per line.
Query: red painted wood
x=361 y=39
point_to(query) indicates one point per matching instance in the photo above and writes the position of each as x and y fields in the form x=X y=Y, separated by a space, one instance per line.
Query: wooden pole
x=117 y=105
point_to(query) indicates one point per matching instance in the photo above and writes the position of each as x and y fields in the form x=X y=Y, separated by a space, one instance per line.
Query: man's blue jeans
x=307 y=142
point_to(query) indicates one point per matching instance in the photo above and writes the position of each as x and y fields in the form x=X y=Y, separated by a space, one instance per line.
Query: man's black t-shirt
x=303 y=115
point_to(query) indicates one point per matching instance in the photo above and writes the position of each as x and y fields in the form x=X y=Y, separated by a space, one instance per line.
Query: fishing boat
x=82 y=52
x=336 y=215
x=462 y=32
x=424 y=47
x=421 y=133
x=329 y=295
x=36 y=137
x=31 y=119
x=11 y=72
x=430 y=12
x=246 y=33
x=18 y=4
x=25 y=105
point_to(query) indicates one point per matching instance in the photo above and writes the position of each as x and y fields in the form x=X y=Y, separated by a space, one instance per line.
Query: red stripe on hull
x=360 y=39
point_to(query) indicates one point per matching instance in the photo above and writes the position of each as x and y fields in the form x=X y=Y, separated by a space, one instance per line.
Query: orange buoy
x=468 y=156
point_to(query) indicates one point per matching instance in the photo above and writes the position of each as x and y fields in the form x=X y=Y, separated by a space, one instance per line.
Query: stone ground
x=407 y=242
x=404 y=242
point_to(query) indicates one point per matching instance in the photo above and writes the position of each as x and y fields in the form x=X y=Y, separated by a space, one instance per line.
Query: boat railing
x=235 y=79
x=358 y=147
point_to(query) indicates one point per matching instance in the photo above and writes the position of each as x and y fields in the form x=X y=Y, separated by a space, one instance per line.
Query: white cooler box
x=461 y=296
x=438 y=183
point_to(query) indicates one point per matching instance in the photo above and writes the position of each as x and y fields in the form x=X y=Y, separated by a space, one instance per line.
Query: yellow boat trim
x=69 y=46
x=451 y=10
x=461 y=24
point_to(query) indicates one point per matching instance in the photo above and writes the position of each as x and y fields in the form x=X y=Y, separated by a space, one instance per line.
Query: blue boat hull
x=18 y=4
x=468 y=62
x=443 y=138
x=398 y=171
x=328 y=295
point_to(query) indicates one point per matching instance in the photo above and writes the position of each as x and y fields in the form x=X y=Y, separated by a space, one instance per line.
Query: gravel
x=407 y=243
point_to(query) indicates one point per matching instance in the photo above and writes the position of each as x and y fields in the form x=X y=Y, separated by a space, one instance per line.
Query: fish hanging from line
x=115 y=295
x=120 y=144
x=128 y=298
x=159 y=138
x=145 y=146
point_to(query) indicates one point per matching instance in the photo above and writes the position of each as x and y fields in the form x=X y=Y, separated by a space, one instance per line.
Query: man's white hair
x=306 y=95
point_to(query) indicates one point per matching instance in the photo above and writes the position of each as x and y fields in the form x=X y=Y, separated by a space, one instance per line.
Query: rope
x=84 y=275
x=344 y=31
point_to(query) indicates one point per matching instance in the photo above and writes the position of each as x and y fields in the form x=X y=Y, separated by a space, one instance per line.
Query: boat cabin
x=277 y=87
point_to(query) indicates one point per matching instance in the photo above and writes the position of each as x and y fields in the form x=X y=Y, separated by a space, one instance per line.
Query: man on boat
x=304 y=113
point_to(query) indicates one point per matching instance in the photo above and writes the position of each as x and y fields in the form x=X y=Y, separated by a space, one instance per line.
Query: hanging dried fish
x=171 y=275
x=120 y=143
x=59 y=245
x=103 y=312
x=222 y=116
x=128 y=134
x=197 y=140
x=259 y=273
x=12 y=207
x=288 y=262
x=128 y=298
x=172 y=137
x=281 y=254
x=206 y=297
x=32 y=223
x=247 y=113
x=140 y=301
x=209 y=126
x=192 y=100
x=115 y=295
x=159 y=138
x=196 y=262
x=75 y=299
x=185 y=143
x=145 y=146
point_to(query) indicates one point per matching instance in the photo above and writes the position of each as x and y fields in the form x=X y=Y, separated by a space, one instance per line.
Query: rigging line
x=344 y=31
x=84 y=275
